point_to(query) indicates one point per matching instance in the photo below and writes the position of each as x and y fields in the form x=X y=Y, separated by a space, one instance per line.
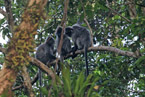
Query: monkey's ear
x=48 y=38
x=69 y=31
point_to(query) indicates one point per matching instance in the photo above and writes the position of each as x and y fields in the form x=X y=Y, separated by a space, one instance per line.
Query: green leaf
x=79 y=83
x=67 y=81
x=85 y=85
x=117 y=17
x=140 y=60
x=91 y=88
x=98 y=5
x=2 y=21
x=44 y=90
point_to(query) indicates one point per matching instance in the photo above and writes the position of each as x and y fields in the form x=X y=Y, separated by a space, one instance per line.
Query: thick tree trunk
x=7 y=78
x=21 y=43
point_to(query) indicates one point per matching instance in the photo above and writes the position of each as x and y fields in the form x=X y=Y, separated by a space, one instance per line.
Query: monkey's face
x=69 y=31
x=59 y=31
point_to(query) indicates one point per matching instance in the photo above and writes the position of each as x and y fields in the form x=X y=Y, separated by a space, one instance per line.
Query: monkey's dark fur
x=45 y=53
x=81 y=38
x=66 y=45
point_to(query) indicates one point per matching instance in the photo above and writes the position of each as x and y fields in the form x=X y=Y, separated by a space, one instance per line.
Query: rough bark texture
x=106 y=48
x=7 y=77
x=43 y=67
x=9 y=14
x=22 y=86
x=27 y=82
x=21 y=44
x=63 y=26
x=132 y=9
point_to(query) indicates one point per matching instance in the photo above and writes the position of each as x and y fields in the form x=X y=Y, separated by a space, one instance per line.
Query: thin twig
x=107 y=5
x=85 y=19
x=90 y=30
x=63 y=24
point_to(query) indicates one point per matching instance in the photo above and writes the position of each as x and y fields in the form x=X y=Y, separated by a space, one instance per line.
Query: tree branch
x=141 y=5
x=90 y=30
x=132 y=9
x=15 y=58
x=32 y=82
x=66 y=3
x=106 y=48
x=63 y=25
x=43 y=67
x=3 y=12
x=113 y=49
x=96 y=48
x=27 y=81
x=9 y=14
x=116 y=12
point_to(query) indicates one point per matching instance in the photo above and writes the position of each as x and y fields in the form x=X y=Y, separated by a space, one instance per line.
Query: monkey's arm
x=40 y=53
x=74 y=49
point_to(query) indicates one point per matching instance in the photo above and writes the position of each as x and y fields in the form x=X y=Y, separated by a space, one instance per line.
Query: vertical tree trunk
x=132 y=9
x=22 y=42
x=27 y=82
x=9 y=15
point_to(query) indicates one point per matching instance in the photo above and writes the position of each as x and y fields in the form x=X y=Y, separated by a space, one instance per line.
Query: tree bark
x=27 y=82
x=9 y=15
x=132 y=9
x=21 y=43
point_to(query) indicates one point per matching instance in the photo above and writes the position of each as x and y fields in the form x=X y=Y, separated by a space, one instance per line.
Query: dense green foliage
x=117 y=75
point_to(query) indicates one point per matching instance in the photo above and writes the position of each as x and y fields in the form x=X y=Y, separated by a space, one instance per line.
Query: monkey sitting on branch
x=45 y=54
x=45 y=51
x=81 y=38
x=66 y=44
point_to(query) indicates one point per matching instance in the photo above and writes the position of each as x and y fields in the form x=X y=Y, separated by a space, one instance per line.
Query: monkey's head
x=69 y=31
x=49 y=40
x=58 y=31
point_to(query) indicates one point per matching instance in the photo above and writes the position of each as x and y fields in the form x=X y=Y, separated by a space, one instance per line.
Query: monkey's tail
x=86 y=60
x=40 y=82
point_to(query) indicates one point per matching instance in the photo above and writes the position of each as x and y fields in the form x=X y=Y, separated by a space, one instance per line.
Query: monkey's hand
x=73 y=51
